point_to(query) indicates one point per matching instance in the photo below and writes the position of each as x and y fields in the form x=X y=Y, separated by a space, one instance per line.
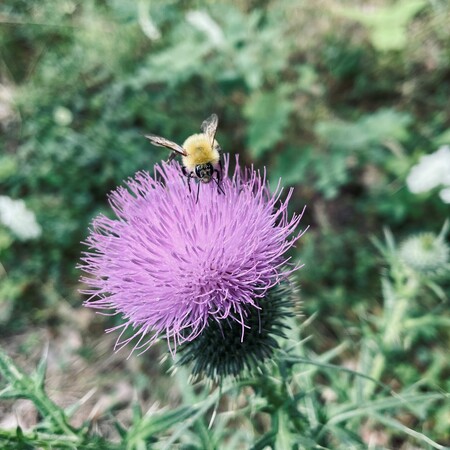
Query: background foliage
x=339 y=98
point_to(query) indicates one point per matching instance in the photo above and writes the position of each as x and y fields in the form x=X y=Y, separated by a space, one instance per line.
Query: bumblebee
x=201 y=154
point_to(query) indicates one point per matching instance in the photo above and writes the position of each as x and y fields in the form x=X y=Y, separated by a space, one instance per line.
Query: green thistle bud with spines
x=222 y=350
x=425 y=253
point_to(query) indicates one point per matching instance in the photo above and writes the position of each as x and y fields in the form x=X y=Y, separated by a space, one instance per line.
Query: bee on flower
x=173 y=268
x=200 y=153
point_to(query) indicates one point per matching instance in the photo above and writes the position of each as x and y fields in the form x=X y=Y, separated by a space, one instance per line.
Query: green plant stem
x=395 y=321
x=52 y=441
x=204 y=435
x=47 y=440
x=391 y=334
x=24 y=386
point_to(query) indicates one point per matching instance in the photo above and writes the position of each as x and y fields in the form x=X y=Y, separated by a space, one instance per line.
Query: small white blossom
x=20 y=220
x=62 y=116
x=431 y=171
x=445 y=195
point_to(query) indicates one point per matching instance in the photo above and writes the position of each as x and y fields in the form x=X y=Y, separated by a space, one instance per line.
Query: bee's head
x=204 y=172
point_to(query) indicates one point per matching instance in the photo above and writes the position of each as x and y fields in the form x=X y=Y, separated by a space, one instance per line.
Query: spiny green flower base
x=425 y=253
x=220 y=351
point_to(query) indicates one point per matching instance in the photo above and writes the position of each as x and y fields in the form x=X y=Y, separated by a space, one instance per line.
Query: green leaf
x=19 y=433
x=387 y=25
x=291 y=165
x=391 y=422
x=268 y=115
x=369 y=130
x=331 y=172
x=24 y=386
x=284 y=438
x=266 y=440
x=171 y=66
x=443 y=138
x=9 y=393
x=152 y=424
x=41 y=370
x=136 y=410
x=347 y=412
x=8 y=167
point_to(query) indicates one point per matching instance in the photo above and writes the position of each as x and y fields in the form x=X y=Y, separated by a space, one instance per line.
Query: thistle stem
x=24 y=386
x=392 y=334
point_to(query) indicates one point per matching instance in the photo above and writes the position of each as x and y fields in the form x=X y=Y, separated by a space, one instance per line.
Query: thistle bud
x=425 y=253
x=224 y=350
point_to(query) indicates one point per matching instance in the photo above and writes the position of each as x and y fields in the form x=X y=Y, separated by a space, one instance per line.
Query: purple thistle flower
x=168 y=264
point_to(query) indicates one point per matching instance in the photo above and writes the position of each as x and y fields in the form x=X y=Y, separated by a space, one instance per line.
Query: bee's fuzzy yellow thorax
x=199 y=151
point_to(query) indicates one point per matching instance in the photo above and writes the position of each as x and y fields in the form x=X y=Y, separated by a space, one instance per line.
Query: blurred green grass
x=326 y=96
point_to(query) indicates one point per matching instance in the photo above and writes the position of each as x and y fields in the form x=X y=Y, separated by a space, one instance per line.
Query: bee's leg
x=171 y=156
x=198 y=192
x=221 y=162
x=188 y=176
x=219 y=179
x=219 y=174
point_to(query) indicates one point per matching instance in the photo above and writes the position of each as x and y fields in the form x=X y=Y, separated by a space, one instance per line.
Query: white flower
x=431 y=171
x=445 y=195
x=62 y=116
x=20 y=220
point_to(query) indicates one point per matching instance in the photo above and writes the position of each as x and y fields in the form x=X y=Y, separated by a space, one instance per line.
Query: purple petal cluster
x=169 y=264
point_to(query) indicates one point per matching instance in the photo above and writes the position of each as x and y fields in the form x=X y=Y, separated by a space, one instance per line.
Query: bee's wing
x=162 y=142
x=209 y=126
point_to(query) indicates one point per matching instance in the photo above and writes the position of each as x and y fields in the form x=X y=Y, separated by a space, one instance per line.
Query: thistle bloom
x=426 y=253
x=169 y=264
